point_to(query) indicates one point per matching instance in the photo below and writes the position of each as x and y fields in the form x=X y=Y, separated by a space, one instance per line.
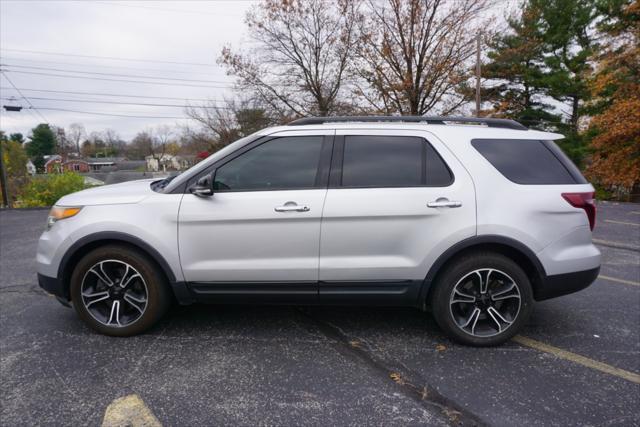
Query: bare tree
x=196 y=142
x=63 y=145
x=75 y=134
x=300 y=54
x=142 y=144
x=228 y=122
x=112 y=141
x=160 y=139
x=217 y=121
x=413 y=56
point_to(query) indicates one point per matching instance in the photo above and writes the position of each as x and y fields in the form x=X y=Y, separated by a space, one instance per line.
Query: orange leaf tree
x=616 y=89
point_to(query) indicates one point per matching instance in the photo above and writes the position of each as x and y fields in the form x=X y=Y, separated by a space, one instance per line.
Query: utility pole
x=3 y=180
x=478 y=37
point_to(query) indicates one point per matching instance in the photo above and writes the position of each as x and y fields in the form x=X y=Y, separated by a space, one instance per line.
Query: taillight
x=584 y=201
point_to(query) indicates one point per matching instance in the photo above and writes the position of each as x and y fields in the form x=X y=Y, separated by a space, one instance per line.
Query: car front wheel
x=118 y=291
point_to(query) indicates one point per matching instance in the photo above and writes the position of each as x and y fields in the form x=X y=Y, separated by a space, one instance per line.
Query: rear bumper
x=54 y=286
x=563 y=284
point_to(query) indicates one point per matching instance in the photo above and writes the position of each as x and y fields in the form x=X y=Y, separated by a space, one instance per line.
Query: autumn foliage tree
x=15 y=162
x=413 y=56
x=616 y=92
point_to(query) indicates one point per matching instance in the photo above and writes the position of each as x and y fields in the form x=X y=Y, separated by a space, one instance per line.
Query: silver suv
x=474 y=219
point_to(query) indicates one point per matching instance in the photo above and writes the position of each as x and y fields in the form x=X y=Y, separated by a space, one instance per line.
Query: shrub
x=15 y=163
x=46 y=190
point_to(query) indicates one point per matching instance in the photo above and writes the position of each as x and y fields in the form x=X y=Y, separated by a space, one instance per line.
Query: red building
x=75 y=165
x=55 y=164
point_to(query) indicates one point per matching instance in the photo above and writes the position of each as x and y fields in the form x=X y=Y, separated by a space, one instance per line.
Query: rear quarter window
x=529 y=161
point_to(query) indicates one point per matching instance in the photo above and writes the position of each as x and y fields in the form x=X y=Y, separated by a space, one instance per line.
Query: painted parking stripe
x=129 y=411
x=635 y=212
x=614 y=279
x=622 y=222
x=618 y=245
x=576 y=358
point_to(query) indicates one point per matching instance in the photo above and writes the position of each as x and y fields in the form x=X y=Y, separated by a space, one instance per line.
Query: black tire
x=467 y=267
x=154 y=283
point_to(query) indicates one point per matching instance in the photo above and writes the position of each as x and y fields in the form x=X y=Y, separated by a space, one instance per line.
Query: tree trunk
x=574 y=112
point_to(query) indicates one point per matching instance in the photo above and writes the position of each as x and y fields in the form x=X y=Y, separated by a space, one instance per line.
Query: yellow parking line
x=129 y=411
x=576 y=358
x=614 y=279
x=622 y=222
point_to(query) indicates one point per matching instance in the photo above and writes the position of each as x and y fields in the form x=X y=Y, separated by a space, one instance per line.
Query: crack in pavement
x=406 y=381
x=25 y=288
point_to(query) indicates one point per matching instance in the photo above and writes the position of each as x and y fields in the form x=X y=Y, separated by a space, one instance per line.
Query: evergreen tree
x=517 y=66
x=17 y=137
x=544 y=57
x=41 y=143
x=568 y=34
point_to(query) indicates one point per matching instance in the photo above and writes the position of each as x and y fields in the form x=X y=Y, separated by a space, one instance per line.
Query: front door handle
x=444 y=203
x=292 y=207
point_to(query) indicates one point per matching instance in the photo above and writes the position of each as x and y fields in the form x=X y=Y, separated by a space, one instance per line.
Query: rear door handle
x=444 y=203
x=292 y=207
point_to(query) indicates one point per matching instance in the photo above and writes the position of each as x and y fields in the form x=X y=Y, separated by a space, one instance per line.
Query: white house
x=31 y=168
x=167 y=162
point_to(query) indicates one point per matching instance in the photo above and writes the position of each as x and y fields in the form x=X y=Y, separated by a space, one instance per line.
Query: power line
x=113 y=58
x=96 y=113
x=22 y=95
x=116 y=80
x=112 y=74
x=114 y=95
x=94 y=65
x=164 y=9
x=98 y=101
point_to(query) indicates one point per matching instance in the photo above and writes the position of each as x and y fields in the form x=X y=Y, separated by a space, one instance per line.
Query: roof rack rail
x=433 y=120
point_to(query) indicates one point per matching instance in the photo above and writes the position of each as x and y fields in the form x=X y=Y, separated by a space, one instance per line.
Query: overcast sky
x=118 y=53
x=40 y=41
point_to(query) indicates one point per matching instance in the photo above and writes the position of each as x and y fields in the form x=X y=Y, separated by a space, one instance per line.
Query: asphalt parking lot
x=576 y=363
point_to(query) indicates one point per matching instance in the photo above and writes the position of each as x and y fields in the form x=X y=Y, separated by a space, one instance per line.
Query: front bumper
x=55 y=287
x=563 y=284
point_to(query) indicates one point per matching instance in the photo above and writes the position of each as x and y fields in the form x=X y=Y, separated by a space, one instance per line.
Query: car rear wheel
x=117 y=290
x=482 y=299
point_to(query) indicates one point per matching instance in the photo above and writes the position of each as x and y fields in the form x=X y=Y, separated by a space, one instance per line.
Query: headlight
x=58 y=213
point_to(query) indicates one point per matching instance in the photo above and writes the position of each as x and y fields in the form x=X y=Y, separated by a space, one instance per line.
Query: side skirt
x=377 y=293
x=364 y=293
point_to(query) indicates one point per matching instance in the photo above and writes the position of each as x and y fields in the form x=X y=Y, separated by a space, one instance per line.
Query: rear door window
x=529 y=161
x=392 y=161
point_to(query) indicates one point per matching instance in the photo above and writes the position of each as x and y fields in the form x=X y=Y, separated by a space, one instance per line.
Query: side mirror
x=203 y=187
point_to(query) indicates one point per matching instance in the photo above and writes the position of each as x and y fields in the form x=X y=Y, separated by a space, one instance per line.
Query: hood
x=114 y=194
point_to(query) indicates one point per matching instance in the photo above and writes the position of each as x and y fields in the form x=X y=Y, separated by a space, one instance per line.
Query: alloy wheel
x=485 y=302
x=114 y=293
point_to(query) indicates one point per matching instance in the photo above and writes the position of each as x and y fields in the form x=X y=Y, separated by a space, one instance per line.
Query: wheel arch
x=93 y=241
x=516 y=251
